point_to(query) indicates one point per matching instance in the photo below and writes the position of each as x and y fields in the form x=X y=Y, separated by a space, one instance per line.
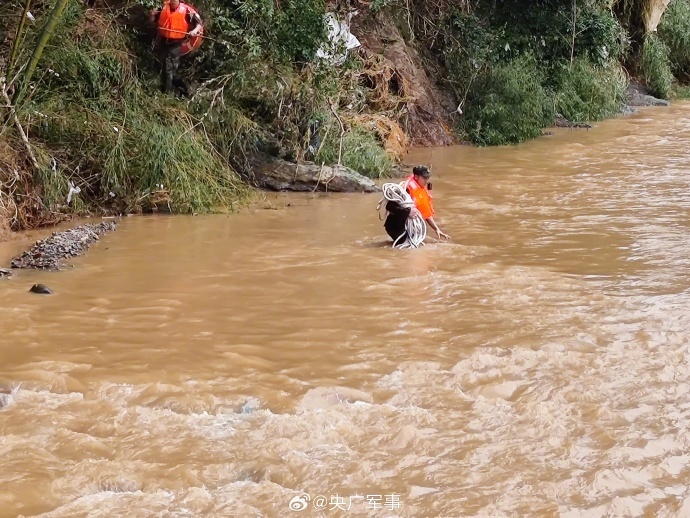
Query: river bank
x=91 y=136
x=318 y=181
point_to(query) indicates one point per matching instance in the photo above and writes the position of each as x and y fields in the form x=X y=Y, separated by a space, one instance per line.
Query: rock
x=638 y=95
x=562 y=122
x=323 y=397
x=647 y=100
x=279 y=175
x=4 y=272
x=49 y=253
x=41 y=289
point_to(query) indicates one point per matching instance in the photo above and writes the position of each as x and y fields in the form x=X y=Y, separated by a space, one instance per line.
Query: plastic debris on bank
x=340 y=40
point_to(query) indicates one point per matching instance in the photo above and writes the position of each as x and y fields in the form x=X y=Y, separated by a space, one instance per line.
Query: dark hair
x=421 y=170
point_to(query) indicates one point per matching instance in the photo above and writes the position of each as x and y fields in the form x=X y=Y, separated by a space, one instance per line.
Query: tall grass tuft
x=656 y=67
x=362 y=151
x=125 y=147
x=588 y=92
x=674 y=31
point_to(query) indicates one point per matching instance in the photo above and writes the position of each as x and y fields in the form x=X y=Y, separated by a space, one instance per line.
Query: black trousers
x=170 y=53
x=395 y=221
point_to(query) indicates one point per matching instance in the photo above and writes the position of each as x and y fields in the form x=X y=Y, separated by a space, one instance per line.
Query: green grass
x=680 y=92
x=362 y=152
x=656 y=67
x=674 y=31
x=113 y=136
x=587 y=92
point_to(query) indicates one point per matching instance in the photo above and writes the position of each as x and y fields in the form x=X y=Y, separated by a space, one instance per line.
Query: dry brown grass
x=9 y=176
x=391 y=134
x=21 y=207
x=388 y=90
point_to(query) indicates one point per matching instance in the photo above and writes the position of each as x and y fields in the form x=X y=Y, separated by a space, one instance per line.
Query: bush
x=114 y=138
x=362 y=152
x=674 y=31
x=469 y=46
x=587 y=92
x=545 y=29
x=256 y=33
x=656 y=67
x=507 y=104
x=681 y=92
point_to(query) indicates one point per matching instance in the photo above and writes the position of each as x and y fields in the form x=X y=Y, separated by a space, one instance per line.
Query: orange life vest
x=173 y=25
x=421 y=197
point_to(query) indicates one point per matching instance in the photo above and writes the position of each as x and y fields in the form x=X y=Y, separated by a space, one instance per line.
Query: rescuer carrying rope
x=410 y=209
x=179 y=32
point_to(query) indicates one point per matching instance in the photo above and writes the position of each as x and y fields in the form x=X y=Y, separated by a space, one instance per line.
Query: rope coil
x=415 y=226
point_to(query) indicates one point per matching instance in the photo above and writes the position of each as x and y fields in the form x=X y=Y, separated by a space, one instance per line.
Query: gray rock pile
x=49 y=253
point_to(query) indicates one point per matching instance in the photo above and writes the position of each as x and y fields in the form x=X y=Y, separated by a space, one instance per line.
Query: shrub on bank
x=100 y=127
x=588 y=92
x=674 y=31
x=680 y=92
x=362 y=152
x=98 y=122
x=507 y=104
x=656 y=67
x=511 y=64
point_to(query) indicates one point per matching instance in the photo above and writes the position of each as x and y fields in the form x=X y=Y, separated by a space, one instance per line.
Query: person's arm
x=434 y=226
x=195 y=21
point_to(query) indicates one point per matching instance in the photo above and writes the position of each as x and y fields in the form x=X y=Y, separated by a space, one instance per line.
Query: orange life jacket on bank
x=421 y=197
x=173 y=25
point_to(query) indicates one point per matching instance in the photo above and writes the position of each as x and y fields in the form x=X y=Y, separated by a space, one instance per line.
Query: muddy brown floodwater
x=226 y=366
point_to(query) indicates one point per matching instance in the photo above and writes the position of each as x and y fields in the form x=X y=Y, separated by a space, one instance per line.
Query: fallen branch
x=13 y=115
x=342 y=133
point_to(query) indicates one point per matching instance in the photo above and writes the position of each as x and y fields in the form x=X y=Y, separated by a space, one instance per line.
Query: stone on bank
x=280 y=175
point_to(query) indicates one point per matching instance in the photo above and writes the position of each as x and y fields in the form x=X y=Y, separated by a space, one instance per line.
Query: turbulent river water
x=285 y=358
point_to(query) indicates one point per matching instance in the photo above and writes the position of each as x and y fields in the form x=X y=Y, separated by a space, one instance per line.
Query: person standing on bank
x=417 y=186
x=176 y=22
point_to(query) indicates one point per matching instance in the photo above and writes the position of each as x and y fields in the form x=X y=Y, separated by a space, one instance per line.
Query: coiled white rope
x=415 y=226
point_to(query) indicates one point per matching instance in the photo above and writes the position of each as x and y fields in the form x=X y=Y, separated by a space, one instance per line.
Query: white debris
x=72 y=190
x=340 y=40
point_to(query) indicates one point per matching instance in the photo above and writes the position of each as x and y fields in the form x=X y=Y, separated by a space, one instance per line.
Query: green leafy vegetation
x=98 y=124
x=103 y=131
x=361 y=151
x=590 y=92
x=513 y=66
x=507 y=104
x=674 y=31
x=656 y=67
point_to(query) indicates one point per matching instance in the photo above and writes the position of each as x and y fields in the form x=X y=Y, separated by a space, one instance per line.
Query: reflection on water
x=538 y=365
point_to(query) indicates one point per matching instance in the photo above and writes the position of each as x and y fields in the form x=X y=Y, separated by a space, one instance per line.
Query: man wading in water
x=174 y=22
x=418 y=187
